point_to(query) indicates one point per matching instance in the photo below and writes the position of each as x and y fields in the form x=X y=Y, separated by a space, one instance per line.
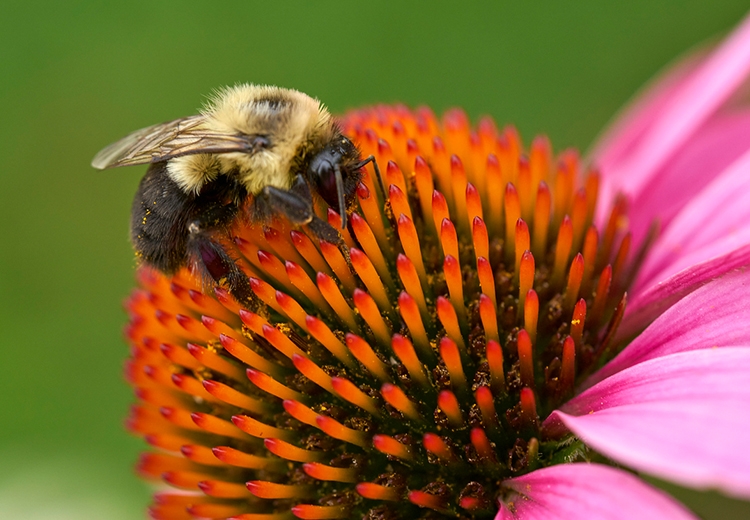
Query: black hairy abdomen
x=169 y=226
x=160 y=216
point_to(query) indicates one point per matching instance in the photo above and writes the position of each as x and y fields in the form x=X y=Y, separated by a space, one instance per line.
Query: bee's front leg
x=296 y=205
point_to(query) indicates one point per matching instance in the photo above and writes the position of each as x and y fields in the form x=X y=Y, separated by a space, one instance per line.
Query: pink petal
x=714 y=222
x=683 y=106
x=625 y=135
x=647 y=304
x=586 y=491
x=683 y=417
x=714 y=147
x=626 y=132
x=716 y=314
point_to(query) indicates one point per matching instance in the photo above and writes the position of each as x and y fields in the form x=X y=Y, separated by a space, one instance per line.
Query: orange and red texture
x=405 y=374
x=497 y=329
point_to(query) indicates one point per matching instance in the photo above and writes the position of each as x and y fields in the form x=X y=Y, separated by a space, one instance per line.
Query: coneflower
x=445 y=360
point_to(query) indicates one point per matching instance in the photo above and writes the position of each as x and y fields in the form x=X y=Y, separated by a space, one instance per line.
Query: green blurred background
x=77 y=75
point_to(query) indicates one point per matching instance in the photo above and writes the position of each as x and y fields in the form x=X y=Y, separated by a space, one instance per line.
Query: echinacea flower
x=502 y=334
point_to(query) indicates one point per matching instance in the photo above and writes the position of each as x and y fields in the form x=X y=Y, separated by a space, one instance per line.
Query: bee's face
x=340 y=155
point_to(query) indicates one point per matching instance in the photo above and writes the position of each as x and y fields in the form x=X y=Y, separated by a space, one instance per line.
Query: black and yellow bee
x=254 y=152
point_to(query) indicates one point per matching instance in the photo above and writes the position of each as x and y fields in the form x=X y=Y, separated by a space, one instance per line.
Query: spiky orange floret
x=403 y=375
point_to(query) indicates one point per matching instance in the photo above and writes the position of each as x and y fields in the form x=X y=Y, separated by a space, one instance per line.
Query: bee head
x=334 y=172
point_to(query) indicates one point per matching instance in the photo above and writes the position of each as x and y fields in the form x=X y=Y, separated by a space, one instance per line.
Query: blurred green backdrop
x=77 y=75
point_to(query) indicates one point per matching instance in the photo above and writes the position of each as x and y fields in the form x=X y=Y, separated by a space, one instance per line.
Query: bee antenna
x=340 y=193
x=371 y=159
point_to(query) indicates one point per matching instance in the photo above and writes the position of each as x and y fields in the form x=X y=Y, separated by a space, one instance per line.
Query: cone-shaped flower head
x=469 y=340
x=407 y=372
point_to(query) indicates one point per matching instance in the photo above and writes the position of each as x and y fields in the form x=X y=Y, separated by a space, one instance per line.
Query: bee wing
x=164 y=141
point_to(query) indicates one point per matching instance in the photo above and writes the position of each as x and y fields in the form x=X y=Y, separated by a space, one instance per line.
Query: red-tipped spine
x=568 y=367
x=528 y=407
x=390 y=446
x=578 y=321
x=448 y=403
x=369 y=311
x=526 y=358
x=486 y=279
x=448 y=317
x=573 y=287
x=452 y=358
x=488 y=316
x=367 y=273
x=396 y=397
x=448 y=238
x=350 y=392
x=486 y=403
x=562 y=252
x=454 y=281
x=410 y=242
x=541 y=220
x=378 y=492
x=522 y=242
x=405 y=352
x=495 y=361
x=413 y=319
x=332 y=294
x=437 y=446
x=512 y=214
x=526 y=272
x=368 y=203
x=531 y=314
x=365 y=355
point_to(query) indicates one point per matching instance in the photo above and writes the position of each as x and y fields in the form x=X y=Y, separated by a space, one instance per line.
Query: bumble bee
x=253 y=152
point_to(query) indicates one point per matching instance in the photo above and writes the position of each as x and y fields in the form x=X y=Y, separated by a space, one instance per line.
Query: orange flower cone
x=405 y=374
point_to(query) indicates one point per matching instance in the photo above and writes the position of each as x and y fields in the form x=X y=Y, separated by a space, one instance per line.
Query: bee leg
x=324 y=231
x=219 y=265
x=287 y=203
x=296 y=205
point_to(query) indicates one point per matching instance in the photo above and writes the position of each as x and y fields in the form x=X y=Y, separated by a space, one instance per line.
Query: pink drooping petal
x=714 y=147
x=683 y=417
x=586 y=491
x=712 y=223
x=648 y=304
x=624 y=135
x=665 y=126
x=716 y=314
